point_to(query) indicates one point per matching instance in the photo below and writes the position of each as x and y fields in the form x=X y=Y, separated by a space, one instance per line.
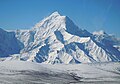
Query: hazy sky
x=92 y=15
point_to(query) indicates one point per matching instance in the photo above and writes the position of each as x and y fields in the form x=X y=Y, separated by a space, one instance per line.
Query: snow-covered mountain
x=56 y=39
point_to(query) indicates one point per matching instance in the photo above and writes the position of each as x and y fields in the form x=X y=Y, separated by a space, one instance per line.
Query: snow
x=29 y=72
x=7 y=39
x=55 y=40
x=101 y=32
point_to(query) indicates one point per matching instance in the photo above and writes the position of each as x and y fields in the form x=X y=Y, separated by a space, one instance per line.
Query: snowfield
x=23 y=72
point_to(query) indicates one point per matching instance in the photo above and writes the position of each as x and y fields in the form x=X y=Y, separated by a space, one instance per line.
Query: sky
x=92 y=15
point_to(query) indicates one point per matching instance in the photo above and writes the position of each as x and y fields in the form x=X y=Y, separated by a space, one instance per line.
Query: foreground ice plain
x=20 y=72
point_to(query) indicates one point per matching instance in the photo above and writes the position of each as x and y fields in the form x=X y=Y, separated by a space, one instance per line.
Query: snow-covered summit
x=55 y=21
x=56 y=13
x=54 y=17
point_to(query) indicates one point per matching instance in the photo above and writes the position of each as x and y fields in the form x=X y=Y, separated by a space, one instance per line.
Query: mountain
x=56 y=39
x=102 y=37
x=8 y=43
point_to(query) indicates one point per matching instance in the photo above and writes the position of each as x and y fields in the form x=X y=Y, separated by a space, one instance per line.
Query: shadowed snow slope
x=56 y=39
x=8 y=43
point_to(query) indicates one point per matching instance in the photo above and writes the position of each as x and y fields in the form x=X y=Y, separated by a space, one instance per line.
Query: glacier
x=25 y=72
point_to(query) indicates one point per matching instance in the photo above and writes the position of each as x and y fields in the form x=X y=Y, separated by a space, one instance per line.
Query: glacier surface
x=22 y=72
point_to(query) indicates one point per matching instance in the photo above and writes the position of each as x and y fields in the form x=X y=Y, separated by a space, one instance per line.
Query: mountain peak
x=56 y=13
x=55 y=19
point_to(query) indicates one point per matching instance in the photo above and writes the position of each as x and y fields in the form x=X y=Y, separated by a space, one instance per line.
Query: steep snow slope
x=56 y=39
x=18 y=72
x=8 y=43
